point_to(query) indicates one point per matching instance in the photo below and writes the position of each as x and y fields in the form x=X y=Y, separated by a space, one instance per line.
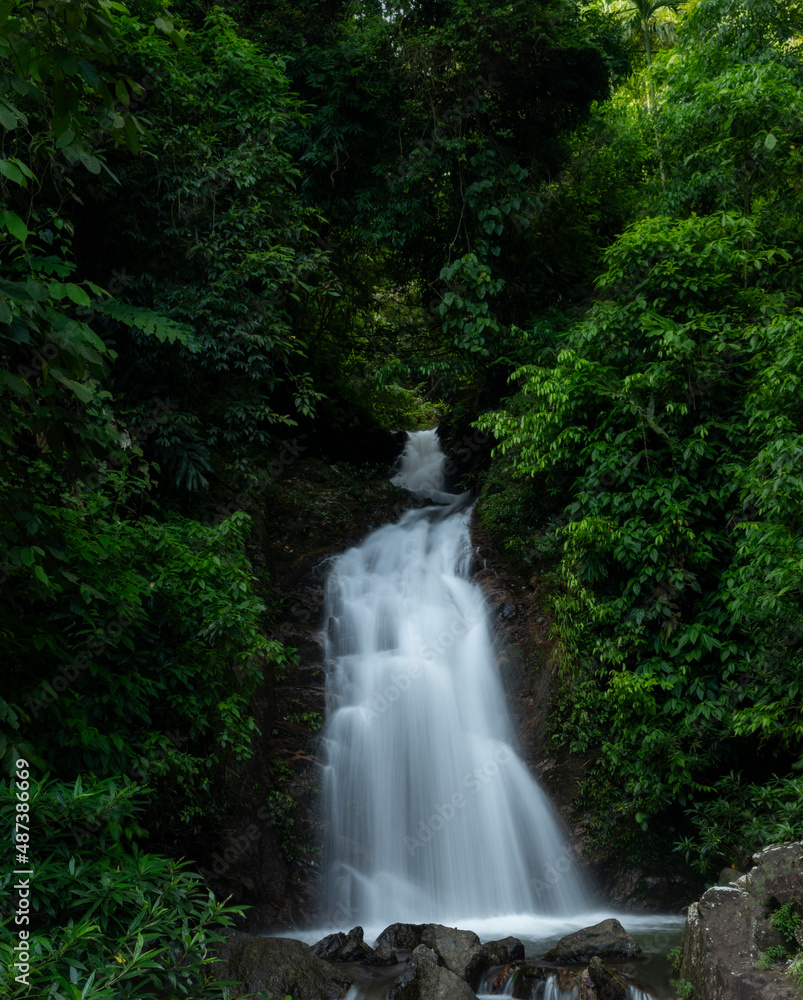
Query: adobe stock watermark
x=460 y=111
x=138 y=772
x=430 y=651
x=444 y=812
x=554 y=871
x=139 y=94
x=241 y=848
x=49 y=691
x=291 y=452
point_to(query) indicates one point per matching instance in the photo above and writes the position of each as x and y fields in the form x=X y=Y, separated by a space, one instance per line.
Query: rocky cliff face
x=729 y=937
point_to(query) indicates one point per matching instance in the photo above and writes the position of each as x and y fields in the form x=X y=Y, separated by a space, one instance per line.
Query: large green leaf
x=152 y=324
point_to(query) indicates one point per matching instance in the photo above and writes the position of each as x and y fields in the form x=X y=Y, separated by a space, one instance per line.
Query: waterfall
x=431 y=814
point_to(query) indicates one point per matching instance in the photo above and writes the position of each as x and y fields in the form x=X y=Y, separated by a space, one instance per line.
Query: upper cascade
x=422 y=468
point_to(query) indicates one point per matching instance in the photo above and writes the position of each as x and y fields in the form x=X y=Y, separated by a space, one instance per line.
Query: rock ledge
x=728 y=929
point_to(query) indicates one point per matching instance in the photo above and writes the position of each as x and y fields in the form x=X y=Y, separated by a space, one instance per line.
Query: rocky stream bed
x=434 y=962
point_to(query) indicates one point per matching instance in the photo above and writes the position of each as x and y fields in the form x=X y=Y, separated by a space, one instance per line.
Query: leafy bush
x=147 y=643
x=683 y=988
x=786 y=920
x=668 y=409
x=107 y=921
x=777 y=953
x=738 y=818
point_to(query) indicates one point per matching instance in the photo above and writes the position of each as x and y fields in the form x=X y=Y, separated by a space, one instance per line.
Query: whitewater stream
x=431 y=815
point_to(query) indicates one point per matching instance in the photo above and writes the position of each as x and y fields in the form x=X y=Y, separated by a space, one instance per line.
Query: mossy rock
x=280 y=967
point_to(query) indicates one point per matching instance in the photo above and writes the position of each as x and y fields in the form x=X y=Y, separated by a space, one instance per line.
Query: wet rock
x=607 y=983
x=328 y=946
x=727 y=929
x=638 y=890
x=587 y=989
x=500 y=980
x=382 y=955
x=423 y=979
x=421 y=951
x=460 y=950
x=502 y=952
x=405 y=937
x=493 y=953
x=766 y=935
x=280 y=967
x=622 y=886
x=568 y=980
x=343 y=947
x=728 y=875
x=526 y=976
x=354 y=949
x=608 y=939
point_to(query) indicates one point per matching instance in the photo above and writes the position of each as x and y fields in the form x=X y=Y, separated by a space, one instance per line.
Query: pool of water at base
x=656 y=933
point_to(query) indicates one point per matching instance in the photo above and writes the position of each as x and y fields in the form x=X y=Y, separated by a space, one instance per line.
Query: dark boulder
x=493 y=953
x=608 y=984
x=354 y=949
x=405 y=937
x=280 y=967
x=502 y=952
x=382 y=955
x=421 y=951
x=424 y=979
x=328 y=946
x=460 y=950
x=608 y=939
x=343 y=947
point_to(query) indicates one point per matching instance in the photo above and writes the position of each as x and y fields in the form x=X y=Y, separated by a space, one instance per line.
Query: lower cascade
x=431 y=814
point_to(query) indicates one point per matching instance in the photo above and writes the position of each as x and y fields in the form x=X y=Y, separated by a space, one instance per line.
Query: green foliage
x=740 y=818
x=674 y=957
x=61 y=66
x=132 y=633
x=227 y=248
x=107 y=920
x=683 y=988
x=796 y=969
x=777 y=953
x=345 y=219
x=147 y=643
x=282 y=806
x=663 y=407
x=312 y=719
x=430 y=133
x=744 y=156
x=786 y=920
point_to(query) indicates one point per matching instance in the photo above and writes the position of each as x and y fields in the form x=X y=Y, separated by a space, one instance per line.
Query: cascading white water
x=432 y=816
x=551 y=989
x=421 y=468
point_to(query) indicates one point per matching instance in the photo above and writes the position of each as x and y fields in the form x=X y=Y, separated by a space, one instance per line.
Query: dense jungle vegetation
x=577 y=227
